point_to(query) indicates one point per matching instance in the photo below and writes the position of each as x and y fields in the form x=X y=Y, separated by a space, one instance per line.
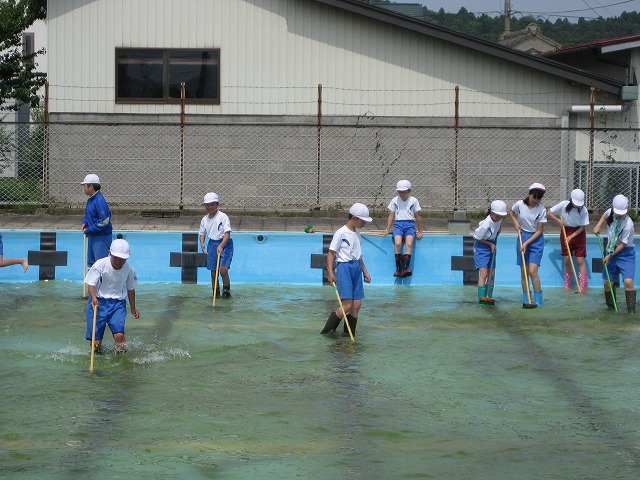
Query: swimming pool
x=286 y=258
x=434 y=386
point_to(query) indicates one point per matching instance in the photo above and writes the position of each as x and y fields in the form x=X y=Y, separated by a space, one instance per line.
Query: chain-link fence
x=286 y=167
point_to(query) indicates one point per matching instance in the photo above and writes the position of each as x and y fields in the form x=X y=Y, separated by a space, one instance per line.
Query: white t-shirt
x=346 y=244
x=529 y=218
x=626 y=230
x=488 y=229
x=215 y=227
x=404 y=210
x=109 y=282
x=577 y=217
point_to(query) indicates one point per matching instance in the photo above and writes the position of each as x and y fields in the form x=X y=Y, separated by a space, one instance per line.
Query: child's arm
x=331 y=256
x=596 y=229
x=390 y=220
x=555 y=217
x=225 y=239
x=418 y=225
x=514 y=219
x=132 y=303
x=204 y=249
x=533 y=237
x=365 y=272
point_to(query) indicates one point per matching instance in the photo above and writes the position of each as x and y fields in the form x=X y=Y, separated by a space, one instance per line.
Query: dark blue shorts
x=1 y=246
x=349 y=280
x=212 y=254
x=111 y=312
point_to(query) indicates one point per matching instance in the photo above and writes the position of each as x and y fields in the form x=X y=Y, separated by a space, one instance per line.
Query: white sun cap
x=211 y=198
x=499 y=208
x=537 y=186
x=620 y=204
x=120 y=248
x=403 y=186
x=577 y=197
x=92 y=179
x=361 y=211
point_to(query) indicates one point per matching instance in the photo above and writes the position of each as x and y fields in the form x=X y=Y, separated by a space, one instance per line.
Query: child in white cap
x=96 y=223
x=406 y=221
x=484 y=247
x=529 y=216
x=111 y=281
x=574 y=216
x=215 y=226
x=346 y=268
x=620 y=254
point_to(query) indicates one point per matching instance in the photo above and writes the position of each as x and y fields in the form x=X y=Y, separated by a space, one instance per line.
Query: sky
x=544 y=9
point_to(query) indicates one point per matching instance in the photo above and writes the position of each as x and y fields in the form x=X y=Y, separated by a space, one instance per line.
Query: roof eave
x=477 y=44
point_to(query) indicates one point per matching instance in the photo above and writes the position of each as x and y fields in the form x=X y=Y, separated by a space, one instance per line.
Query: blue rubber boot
x=482 y=292
x=537 y=296
x=525 y=297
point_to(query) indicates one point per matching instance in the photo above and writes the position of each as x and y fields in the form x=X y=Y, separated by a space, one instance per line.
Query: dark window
x=155 y=75
x=27 y=44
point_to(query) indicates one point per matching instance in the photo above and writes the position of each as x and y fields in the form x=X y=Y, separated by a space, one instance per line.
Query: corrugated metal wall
x=274 y=53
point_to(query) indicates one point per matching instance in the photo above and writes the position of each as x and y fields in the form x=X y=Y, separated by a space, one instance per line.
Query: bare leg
x=14 y=261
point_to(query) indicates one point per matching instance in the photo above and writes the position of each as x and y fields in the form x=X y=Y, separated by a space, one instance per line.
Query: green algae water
x=434 y=387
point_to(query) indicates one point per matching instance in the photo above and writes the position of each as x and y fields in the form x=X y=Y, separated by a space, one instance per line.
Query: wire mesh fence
x=293 y=167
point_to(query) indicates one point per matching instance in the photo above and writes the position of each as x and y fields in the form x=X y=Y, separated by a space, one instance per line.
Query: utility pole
x=507 y=16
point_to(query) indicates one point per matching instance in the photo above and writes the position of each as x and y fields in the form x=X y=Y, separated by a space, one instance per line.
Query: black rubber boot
x=630 y=296
x=406 y=261
x=398 y=271
x=226 y=291
x=608 y=298
x=352 y=323
x=332 y=323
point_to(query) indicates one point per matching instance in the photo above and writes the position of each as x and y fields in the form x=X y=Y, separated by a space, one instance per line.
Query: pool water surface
x=435 y=386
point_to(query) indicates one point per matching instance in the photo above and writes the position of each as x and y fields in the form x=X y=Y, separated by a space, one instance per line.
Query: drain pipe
x=625 y=107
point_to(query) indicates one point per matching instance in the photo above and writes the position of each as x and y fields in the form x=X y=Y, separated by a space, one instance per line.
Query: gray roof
x=583 y=77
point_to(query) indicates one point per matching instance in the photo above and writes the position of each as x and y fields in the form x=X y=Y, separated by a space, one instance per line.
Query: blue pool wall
x=286 y=258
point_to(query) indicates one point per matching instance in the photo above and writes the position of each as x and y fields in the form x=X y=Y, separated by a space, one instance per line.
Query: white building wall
x=274 y=53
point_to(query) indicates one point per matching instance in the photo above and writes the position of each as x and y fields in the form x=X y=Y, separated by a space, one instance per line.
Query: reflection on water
x=434 y=387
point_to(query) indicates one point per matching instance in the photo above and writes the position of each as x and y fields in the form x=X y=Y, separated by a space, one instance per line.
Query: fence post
x=45 y=150
x=182 y=93
x=455 y=148
x=592 y=99
x=318 y=152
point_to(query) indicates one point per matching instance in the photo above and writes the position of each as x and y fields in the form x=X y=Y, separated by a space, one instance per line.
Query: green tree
x=18 y=77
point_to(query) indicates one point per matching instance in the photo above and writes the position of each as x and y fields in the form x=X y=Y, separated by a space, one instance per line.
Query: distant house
x=530 y=40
